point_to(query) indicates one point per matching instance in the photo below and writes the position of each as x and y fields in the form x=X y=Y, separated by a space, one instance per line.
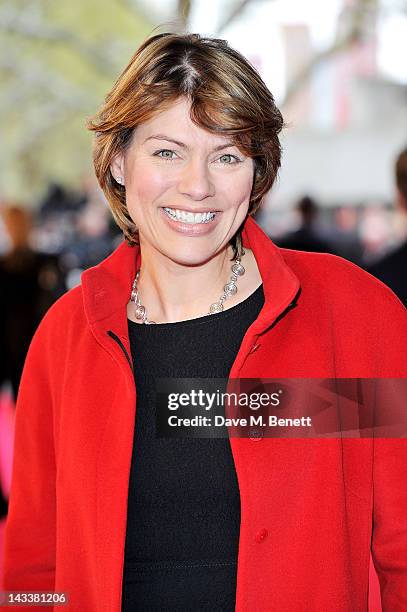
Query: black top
x=392 y=270
x=184 y=506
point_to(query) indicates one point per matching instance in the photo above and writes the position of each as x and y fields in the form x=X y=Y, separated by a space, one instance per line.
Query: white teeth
x=189 y=217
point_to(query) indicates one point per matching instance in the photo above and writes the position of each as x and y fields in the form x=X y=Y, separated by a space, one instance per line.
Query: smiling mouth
x=189 y=217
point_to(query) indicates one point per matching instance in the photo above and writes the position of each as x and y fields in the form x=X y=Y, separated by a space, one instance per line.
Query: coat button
x=261 y=535
x=256 y=435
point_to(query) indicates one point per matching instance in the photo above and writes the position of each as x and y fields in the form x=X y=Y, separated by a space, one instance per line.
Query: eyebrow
x=183 y=145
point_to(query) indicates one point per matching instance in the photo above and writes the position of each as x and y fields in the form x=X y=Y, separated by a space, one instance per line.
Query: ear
x=117 y=168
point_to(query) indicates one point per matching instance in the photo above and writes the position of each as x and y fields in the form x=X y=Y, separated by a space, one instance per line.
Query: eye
x=165 y=154
x=228 y=158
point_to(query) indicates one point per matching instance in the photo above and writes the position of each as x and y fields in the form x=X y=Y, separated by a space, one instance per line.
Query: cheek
x=144 y=188
x=238 y=190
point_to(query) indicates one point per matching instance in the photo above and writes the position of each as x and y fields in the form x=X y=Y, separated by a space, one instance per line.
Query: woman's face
x=187 y=190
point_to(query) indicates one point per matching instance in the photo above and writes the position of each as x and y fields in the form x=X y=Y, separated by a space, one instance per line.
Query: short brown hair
x=401 y=174
x=227 y=96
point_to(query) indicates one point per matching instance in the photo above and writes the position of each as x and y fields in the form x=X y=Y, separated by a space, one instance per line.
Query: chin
x=188 y=258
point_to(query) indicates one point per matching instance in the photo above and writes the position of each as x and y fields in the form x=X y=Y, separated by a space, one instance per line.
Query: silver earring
x=120 y=180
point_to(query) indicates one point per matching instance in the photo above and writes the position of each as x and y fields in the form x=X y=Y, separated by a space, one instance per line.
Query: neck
x=173 y=292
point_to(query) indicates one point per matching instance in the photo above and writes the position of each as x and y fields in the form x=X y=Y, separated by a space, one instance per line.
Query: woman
x=101 y=508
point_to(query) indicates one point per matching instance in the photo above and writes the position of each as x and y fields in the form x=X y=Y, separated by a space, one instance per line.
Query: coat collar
x=106 y=287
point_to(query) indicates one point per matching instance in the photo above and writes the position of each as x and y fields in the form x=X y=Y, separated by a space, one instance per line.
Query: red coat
x=310 y=509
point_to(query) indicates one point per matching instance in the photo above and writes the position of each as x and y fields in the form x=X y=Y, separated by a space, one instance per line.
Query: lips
x=188 y=228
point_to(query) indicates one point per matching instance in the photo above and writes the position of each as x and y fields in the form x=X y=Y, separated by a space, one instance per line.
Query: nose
x=195 y=181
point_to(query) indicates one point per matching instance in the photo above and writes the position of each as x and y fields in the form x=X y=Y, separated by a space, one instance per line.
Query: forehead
x=174 y=121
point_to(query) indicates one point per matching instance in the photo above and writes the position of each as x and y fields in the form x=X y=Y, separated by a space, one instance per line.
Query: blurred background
x=337 y=69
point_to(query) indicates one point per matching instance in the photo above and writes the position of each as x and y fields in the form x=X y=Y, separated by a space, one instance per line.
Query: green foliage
x=57 y=62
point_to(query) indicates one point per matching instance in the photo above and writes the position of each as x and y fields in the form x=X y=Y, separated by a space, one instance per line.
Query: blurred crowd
x=43 y=253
